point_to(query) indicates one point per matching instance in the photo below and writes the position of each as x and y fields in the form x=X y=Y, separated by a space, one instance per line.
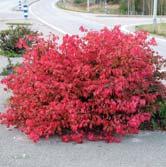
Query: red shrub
x=99 y=86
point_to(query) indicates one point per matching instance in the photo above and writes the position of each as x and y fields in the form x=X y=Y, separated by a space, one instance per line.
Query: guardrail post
x=20 y=5
x=25 y=10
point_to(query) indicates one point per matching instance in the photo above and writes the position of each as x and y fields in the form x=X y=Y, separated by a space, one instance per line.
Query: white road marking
x=125 y=29
x=46 y=23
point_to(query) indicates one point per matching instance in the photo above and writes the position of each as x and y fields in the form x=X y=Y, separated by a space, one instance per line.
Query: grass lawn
x=111 y=9
x=161 y=29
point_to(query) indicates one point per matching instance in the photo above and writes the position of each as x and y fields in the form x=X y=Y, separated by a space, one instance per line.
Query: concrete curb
x=124 y=28
x=128 y=29
x=46 y=23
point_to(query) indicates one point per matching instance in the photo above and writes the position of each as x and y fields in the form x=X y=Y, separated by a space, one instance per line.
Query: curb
x=125 y=28
x=45 y=22
x=129 y=16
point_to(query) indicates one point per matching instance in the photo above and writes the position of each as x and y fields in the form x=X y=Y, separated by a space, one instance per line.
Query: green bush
x=10 y=37
x=79 y=1
x=123 y=6
x=158 y=120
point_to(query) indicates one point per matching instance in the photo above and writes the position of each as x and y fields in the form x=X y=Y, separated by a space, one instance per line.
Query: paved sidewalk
x=148 y=149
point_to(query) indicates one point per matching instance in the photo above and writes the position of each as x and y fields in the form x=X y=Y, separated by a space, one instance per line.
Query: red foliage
x=99 y=86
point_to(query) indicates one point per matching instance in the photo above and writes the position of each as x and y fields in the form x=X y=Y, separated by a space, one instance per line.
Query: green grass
x=112 y=9
x=70 y=7
x=161 y=29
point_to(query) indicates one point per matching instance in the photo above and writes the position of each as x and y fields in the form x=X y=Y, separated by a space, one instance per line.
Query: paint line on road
x=124 y=28
x=54 y=6
x=46 y=23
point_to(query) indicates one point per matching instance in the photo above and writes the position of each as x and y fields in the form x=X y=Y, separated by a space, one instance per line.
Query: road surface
x=69 y=22
x=6 y=10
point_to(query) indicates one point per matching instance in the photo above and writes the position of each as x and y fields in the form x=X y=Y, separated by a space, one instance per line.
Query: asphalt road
x=6 y=10
x=148 y=149
x=65 y=22
x=7 y=5
x=69 y=22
